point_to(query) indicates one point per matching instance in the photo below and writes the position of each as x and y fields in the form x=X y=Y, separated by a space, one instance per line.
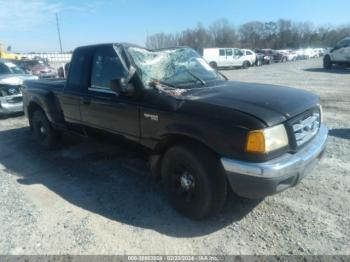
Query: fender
x=50 y=105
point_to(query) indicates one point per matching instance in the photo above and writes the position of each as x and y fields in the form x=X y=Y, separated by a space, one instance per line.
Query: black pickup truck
x=204 y=134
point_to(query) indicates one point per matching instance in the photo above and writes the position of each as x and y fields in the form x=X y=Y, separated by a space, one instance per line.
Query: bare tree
x=223 y=33
x=277 y=35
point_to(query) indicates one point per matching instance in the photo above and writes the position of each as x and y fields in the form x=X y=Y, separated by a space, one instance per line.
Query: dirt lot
x=89 y=198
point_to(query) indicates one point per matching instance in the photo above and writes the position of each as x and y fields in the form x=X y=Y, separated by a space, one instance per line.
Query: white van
x=225 y=57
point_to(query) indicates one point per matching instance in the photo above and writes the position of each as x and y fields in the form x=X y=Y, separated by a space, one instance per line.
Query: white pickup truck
x=338 y=55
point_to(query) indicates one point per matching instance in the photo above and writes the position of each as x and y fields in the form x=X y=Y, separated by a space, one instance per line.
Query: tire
x=45 y=134
x=245 y=65
x=194 y=181
x=327 y=63
x=214 y=65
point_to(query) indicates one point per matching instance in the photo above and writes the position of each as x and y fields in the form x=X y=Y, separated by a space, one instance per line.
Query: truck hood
x=271 y=104
x=15 y=79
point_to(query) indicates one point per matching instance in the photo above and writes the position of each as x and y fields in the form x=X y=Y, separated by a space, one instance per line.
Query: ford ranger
x=205 y=135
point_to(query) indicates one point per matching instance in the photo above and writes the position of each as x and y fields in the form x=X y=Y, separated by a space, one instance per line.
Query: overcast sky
x=29 y=25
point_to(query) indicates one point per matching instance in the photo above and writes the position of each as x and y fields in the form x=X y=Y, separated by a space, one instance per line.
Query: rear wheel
x=214 y=65
x=327 y=63
x=245 y=65
x=194 y=181
x=45 y=134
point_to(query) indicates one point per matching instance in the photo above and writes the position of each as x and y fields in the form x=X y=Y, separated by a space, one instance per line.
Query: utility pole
x=59 y=33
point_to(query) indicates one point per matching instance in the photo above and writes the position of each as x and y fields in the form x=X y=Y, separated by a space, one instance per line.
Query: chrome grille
x=306 y=128
x=8 y=90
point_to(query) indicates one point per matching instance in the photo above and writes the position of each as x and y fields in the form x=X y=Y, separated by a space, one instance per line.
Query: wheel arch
x=169 y=140
x=32 y=107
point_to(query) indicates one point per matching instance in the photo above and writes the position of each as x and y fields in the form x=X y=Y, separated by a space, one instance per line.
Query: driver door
x=101 y=107
x=229 y=57
x=222 y=61
x=238 y=57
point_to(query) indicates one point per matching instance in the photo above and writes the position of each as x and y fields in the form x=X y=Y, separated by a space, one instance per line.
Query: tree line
x=281 y=34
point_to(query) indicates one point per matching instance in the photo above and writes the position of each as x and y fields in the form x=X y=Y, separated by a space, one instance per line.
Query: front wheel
x=327 y=63
x=43 y=131
x=194 y=181
x=245 y=65
x=214 y=65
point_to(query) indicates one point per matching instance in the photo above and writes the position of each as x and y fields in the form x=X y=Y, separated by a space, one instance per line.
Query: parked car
x=268 y=55
x=38 y=68
x=226 y=57
x=11 y=79
x=204 y=134
x=63 y=71
x=277 y=57
x=250 y=56
x=311 y=53
x=291 y=55
x=301 y=54
x=260 y=60
x=338 y=55
x=320 y=51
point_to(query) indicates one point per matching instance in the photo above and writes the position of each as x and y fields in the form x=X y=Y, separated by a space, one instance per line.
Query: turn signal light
x=255 y=142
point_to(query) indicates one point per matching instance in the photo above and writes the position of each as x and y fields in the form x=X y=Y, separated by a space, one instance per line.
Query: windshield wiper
x=196 y=77
x=225 y=77
x=154 y=82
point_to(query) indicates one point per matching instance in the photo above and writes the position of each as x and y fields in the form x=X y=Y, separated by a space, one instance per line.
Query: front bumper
x=47 y=75
x=257 y=180
x=10 y=107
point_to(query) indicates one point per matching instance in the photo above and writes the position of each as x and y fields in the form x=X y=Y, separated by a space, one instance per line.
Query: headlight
x=266 y=140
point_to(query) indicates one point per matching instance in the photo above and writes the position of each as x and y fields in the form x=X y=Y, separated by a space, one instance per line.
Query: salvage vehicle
x=260 y=60
x=338 y=55
x=250 y=56
x=226 y=58
x=37 y=67
x=204 y=134
x=289 y=54
x=265 y=56
x=11 y=79
x=274 y=56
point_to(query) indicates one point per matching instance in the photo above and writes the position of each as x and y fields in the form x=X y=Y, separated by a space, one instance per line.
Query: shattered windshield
x=173 y=67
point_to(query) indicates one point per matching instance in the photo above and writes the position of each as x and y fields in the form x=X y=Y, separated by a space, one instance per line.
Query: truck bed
x=48 y=84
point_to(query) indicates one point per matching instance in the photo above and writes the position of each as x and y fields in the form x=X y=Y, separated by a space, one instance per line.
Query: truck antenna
x=59 y=33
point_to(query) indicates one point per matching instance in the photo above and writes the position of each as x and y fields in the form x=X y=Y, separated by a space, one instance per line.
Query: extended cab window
x=106 y=66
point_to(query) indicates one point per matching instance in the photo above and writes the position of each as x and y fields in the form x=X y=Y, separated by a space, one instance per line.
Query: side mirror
x=122 y=85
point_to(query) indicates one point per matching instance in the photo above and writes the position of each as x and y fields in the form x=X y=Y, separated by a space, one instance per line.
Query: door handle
x=86 y=101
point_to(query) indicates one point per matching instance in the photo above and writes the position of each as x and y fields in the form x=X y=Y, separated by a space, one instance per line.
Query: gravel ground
x=90 y=198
